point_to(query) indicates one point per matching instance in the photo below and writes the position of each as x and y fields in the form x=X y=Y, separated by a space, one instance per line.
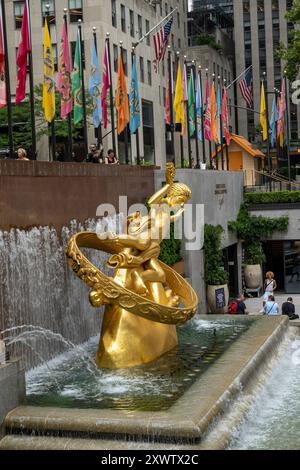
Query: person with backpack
x=238 y=306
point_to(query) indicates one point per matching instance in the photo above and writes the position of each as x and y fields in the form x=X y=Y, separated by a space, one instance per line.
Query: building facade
x=125 y=20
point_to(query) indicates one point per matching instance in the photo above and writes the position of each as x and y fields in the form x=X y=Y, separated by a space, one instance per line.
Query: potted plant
x=216 y=277
x=254 y=257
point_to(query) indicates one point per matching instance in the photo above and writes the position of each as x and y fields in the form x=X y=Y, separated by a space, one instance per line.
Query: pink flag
x=64 y=84
x=225 y=117
x=23 y=51
x=185 y=84
x=207 y=114
x=281 y=111
x=105 y=86
x=3 y=102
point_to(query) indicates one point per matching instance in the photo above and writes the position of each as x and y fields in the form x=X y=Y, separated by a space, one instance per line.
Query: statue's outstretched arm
x=159 y=195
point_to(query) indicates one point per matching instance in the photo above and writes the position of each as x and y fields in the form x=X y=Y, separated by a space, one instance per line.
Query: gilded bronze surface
x=145 y=298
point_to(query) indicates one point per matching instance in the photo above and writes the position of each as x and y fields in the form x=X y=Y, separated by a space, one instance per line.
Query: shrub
x=273 y=198
x=170 y=249
x=215 y=274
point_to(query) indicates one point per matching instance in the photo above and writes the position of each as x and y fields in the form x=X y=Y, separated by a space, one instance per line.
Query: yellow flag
x=179 y=102
x=48 y=77
x=263 y=113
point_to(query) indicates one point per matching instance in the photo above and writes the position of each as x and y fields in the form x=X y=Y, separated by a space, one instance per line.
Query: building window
x=147 y=30
x=51 y=11
x=140 y=26
x=113 y=13
x=166 y=8
x=142 y=70
x=116 y=56
x=148 y=132
x=163 y=68
x=164 y=96
x=178 y=20
x=124 y=59
x=75 y=10
x=179 y=43
x=123 y=19
x=18 y=13
x=73 y=47
x=54 y=49
x=149 y=70
x=131 y=19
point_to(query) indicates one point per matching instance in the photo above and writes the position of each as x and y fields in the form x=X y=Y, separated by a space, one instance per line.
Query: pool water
x=70 y=381
x=273 y=421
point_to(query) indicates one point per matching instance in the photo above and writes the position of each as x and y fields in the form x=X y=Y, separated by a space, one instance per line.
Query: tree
x=291 y=54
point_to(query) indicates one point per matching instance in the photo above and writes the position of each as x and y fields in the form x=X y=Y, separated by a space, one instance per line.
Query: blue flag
x=134 y=101
x=199 y=110
x=95 y=87
x=273 y=122
x=219 y=105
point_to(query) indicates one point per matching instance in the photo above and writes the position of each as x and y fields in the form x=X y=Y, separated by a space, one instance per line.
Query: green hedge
x=273 y=198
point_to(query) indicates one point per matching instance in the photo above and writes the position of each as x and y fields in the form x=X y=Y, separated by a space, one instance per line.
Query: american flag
x=161 y=41
x=246 y=87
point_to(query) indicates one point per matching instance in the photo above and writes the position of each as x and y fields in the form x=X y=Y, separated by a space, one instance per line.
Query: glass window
x=142 y=70
x=148 y=131
x=113 y=13
x=131 y=19
x=178 y=20
x=115 y=52
x=149 y=70
x=54 y=49
x=147 y=30
x=124 y=58
x=45 y=11
x=18 y=13
x=123 y=19
x=140 y=26
x=75 y=10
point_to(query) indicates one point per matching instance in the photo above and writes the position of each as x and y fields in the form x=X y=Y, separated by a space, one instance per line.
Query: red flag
x=3 y=101
x=167 y=105
x=207 y=115
x=64 y=84
x=225 y=117
x=23 y=51
x=105 y=86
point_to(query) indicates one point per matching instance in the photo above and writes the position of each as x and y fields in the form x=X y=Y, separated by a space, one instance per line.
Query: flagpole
x=98 y=130
x=31 y=88
x=51 y=125
x=193 y=71
x=70 y=137
x=83 y=91
x=7 y=84
x=154 y=27
x=111 y=97
x=137 y=136
x=221 y=122
x=268 y=133
x=126 y=128
x=181 y=136
x=287 y=127
x=171 y=98
x=202 y=116
x=188 y=119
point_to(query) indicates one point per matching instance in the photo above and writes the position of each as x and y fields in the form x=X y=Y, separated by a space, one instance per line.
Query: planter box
x=179 y=267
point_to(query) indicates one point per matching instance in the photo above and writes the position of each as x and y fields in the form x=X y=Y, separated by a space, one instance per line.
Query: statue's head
x=178 y=195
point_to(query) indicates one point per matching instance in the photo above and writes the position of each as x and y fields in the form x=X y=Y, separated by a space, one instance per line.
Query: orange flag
x=214 y=115
x=122 y=104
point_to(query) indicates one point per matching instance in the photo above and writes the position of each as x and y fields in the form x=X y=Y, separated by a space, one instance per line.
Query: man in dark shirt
x=288 y=308
x=242 y=309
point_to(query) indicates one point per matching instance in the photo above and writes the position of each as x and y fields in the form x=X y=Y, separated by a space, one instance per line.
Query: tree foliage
x=291 y=53
x=215 y=274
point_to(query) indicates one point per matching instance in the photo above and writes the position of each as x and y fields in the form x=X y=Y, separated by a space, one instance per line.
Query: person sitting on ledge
x=241 y=309
x=271 y=307
x=288 y=308
x=94 y=155
x=111 y=159
x=22 y=154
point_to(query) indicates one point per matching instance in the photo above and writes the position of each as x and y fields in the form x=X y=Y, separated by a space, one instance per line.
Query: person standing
x=288 y=308
x=270 y=286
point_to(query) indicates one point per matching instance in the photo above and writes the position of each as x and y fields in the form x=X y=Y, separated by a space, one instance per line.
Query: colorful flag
x=95 y=86
x=207 y=114
x=48 y=77
x=122 y=98
x=179 y=102
x=77 y=83
x=191 y=104
x=134 y=100
x=214 y=115
x=3 y=101
x=281 y=115
x=161 y=41
x=64 y=84
x=246 y=87
x=225 y=117
x=23 y=51
x=106 y=85
x=263 y=113
x=199 y=110
x=185 y=83
x=168 y=117
x=273 y=122
x=219 y=110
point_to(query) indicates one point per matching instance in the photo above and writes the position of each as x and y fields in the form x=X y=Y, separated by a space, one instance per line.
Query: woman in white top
x=270 y=286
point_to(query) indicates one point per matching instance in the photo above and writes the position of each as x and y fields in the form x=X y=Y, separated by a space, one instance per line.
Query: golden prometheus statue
x=145 y=298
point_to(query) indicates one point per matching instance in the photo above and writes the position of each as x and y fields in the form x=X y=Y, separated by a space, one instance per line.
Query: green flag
x=77 y=83
x=191 y=104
